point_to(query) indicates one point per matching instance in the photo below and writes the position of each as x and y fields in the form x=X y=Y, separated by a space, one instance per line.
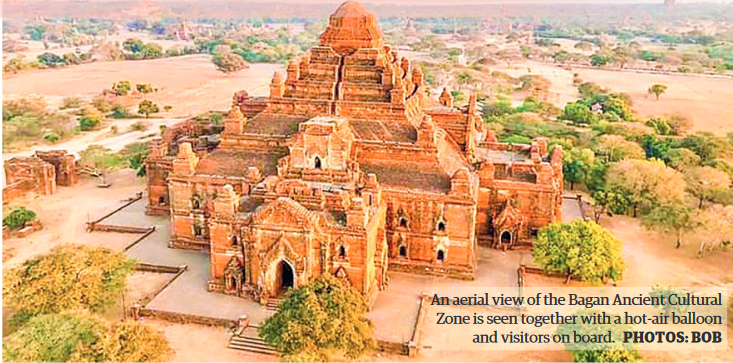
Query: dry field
x=190 y=84
x=707 y=101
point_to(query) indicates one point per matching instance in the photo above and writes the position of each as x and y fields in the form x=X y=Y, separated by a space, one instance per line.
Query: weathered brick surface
x=348 y=168
x=39 y=174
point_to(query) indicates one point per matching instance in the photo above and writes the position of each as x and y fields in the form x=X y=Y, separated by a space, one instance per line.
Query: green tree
x=128 y=341
x=706 y=145
x=681 y=159
x=67 y=278
x=609 y=202
x=50 y=60
x=647 y=182
x=90 y=119
x=660 y=125
x=144 y=88
x=600 y=60
x=705 y=182
x=581 y=249
x=122 y=88
x=135 y=154
x=579 y=113
x=98 y=161
x=18 y=217
x=615 y=351
x=657 y=90
x=674 y=217
x=616 y=148
x=325 y=315
x=229 y=63
x=52 y=338
x=133 y=45
x=146 y=107
x=152 y=51
x=577 y=165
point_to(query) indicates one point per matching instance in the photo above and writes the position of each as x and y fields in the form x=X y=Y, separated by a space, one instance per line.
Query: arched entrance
x=318 y=163
x=505 y=239
x=285 y=277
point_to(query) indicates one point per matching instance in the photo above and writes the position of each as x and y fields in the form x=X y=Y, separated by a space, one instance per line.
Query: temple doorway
x=286 y=276
x=506 y=238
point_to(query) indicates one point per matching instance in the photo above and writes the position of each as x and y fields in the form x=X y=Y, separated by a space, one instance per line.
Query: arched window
x=370 y=200
x=441 y=226
x=235 y=240
x=342 y=252
x=403 y=251
x=403 y=222
x=161 y=201
x=441 y=255
x=318 y=162
x=196 y=203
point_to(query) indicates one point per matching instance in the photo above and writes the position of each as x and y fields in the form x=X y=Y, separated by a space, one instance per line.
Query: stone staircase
x=249 y=341
x=272 y=304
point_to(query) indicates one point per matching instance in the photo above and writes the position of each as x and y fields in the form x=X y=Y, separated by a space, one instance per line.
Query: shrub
x=51 y=137
x=101 y=104
x=89 y=122
x=18 y=217
x=119 y=111
x=122 y=88
x=138 y=126
x=71 y=102
x=146 y=107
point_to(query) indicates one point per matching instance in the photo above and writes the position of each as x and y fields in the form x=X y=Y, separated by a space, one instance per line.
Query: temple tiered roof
x=351 y=27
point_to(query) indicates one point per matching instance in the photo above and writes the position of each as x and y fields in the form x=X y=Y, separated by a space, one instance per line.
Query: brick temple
x=348 y=168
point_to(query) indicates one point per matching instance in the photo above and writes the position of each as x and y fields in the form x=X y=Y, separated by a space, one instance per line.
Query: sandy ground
x=197 y=343
x=191 y=84
x=139 y=285
x=707 y=101
x=65 y=213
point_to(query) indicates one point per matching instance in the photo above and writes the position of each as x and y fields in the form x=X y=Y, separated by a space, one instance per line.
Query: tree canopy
x=128 y=341
x=325 y=315
x=616 y=148
x=657 y=89
x=581 y=248
x=229 y=62
x=577 y=165
x=52 y=338
x=616 y=351
x=146 y=107
x=704 y=182
x=69 y=277
x=647 y=182
x=673 y=217
x=78 y=336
